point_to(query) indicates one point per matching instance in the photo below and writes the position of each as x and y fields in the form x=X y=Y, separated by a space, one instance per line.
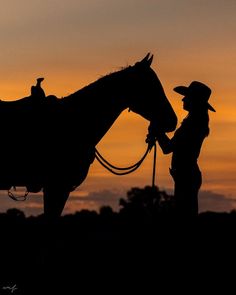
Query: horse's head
x=146 y=95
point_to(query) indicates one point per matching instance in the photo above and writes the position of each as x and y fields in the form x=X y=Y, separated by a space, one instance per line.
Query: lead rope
x=129 y=169
x=154 y=165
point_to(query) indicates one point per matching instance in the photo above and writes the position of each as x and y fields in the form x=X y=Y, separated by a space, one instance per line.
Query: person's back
x=187 y=142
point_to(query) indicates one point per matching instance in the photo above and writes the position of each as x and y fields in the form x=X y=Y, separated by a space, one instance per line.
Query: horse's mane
x=112 y=74
x=100 y=82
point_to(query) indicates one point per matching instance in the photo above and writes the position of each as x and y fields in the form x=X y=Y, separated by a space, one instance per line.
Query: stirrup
x=17 y=198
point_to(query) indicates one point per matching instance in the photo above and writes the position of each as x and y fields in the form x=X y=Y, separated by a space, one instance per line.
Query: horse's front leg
x=56 y=195
x=54 y=201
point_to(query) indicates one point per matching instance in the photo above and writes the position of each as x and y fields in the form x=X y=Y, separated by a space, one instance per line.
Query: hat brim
x=210 y=107
x=183 y=90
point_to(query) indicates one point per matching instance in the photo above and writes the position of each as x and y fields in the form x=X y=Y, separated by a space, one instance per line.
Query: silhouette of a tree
x=147 y=202
x=15 y=213
x=106 y=211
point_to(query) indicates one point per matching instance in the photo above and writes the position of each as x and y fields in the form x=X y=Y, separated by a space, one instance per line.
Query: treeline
x=144 y=210
x=146 y=205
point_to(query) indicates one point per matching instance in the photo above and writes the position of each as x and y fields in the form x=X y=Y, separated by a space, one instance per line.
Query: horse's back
x=26 y=112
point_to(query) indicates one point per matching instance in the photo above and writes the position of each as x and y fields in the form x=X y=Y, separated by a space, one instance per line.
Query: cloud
x=95 y=200
x=32 y=206
x=208 y=201
x=77 y=201
x=211 y=201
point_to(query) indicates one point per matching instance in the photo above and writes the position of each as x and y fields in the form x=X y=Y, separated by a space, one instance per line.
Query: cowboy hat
x=196 y=89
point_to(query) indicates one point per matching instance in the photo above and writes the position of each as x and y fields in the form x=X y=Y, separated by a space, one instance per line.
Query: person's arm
x=165 y=143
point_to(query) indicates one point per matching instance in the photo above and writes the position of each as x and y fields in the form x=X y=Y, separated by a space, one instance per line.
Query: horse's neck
x=97 y=107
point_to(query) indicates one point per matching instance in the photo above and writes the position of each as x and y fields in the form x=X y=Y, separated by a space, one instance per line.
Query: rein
x=120 y=170
x=127 y=170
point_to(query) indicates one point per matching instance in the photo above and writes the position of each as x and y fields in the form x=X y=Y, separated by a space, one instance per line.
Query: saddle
x=21 y=120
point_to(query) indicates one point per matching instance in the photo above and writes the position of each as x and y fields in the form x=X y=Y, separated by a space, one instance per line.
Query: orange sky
x=72 y=43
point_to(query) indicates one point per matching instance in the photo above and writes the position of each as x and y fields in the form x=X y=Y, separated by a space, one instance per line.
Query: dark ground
x=110 y=252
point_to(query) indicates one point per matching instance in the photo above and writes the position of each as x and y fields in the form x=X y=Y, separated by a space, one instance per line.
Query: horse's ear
x=147 y=60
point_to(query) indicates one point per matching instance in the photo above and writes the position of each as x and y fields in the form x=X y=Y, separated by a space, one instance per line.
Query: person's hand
x=159 y=134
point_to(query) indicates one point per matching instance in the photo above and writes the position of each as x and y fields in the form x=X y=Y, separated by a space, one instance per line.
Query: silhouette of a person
x=37 y=91
x=185 y=146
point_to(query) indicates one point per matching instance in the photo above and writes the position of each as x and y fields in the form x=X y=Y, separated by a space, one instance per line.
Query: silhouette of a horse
x=50 y=144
